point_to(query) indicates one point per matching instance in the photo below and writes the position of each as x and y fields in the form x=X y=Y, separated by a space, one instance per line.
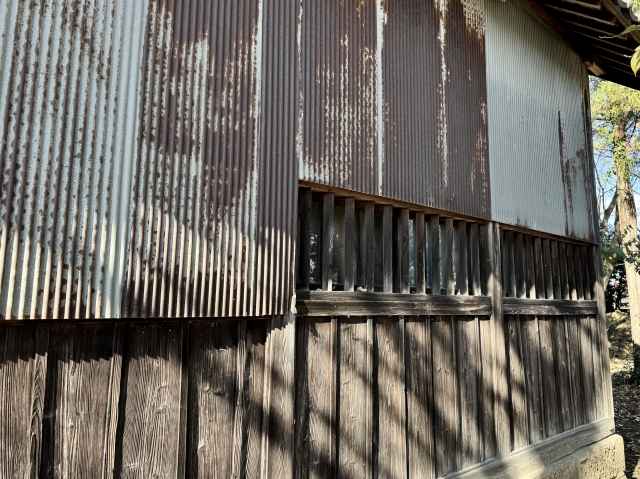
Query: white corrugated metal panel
x=539 y=158
x=68 y=101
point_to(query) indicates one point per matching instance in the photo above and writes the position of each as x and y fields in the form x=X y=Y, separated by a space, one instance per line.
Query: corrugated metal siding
x=67 y=128
x=395 y=100
x=538 y=146
x=148 y=157
x=215 y=184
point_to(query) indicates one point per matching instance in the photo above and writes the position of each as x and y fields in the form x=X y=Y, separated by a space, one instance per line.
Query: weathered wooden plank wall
x=382 y=395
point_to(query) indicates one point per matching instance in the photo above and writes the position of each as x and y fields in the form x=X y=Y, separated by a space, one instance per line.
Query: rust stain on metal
x=214 y=188
x=568 y=168
x=425 y=144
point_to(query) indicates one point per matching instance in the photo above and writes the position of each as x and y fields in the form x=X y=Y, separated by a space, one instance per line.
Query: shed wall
x=538 y=144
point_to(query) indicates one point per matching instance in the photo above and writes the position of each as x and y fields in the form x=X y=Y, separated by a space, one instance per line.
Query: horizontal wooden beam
x=337 y=303
x=340 y=303
x=531 y=461
x=549 y=307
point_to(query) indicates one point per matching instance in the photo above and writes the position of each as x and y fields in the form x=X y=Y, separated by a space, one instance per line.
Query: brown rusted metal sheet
x=214 y=188
x=148 y=158
x=394 y=100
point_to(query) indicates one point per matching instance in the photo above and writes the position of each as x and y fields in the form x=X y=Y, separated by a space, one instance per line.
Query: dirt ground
x=626 y=396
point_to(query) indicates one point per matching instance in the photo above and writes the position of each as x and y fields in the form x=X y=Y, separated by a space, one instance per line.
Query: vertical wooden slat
x=254 y=376
x=510 y=249
x=474 y=260
x=367 y=248
x=552 y=407
x=446 y=415
x=555 y=265
x=433 y=271
x=518 y=384
x=575 y=370
x=420 y=447
x=23 y=366
x=470 y=443
x=316 y=393
x=520 y=266
x=530 y=339
x=565 y=287
x=539 y=260
x=446 y=258
x=277 y=426
x=531 y=268
x=460 y=258
x=304 y=241
x=507 y=264
x=586 y=359
x=402 y=252
x=151 y=422
x=387 y=249
x=213 y=366
x=390 y=354
x=571 y=272
x=349 y=244
x=578 y=271
x=85 y=365
x=548 y=268
x=355 y=400
x=328 y=237
x=587 y=268
x=563 y=381
x=486 y=377
x=421 y=254
x=499 y=344
x=601 y=328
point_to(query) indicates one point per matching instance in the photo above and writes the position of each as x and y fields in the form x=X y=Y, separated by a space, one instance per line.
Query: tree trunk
x=629 y=232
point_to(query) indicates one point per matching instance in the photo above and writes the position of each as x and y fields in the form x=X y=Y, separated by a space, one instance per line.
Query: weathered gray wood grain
x=319 y=303
x=328 y=239
x=355 y=400
x=82 y=408
x=391 y=451
x=470 y=445
x=421 y=254
x=530 y=342
x=23 y=365
x=420 y=400
x=552 y=408
x=279 y=414
x=316 y=424
x=150 y=423
x=518 y=385
x=446 y=394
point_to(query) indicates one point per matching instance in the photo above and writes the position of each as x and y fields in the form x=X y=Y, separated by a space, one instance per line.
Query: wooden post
x=387 y=249
x=421 y=283
x=328 y=235
x=349 y=244
x=500 y=370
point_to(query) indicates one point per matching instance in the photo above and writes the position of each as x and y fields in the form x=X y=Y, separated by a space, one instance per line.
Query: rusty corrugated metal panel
x=215 y=185
x=148 y=158
x=395 y=100
x=340 y=136
x=68 y=80
x=538 y=144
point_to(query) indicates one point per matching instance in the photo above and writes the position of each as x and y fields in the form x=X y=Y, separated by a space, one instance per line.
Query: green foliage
x=615 y=111
x=616 y=144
